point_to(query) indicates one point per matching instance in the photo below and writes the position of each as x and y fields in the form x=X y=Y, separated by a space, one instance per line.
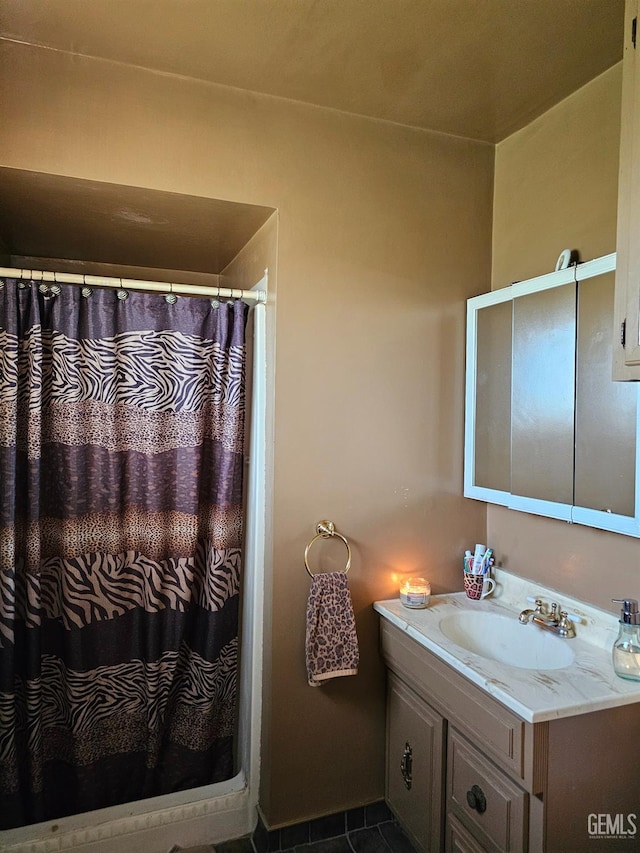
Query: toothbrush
x=486 y=561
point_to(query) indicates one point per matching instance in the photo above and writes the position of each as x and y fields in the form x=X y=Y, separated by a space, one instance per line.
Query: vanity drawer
x=465 y=705
x=460 y=840
x=484 y=799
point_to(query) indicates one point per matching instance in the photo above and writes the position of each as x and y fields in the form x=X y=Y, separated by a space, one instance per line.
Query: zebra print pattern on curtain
x=121 y=463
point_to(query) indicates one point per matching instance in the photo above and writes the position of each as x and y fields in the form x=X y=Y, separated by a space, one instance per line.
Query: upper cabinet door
x=493 y=398
x=547 y=431
x=542 y=394
x=606 y=413
x=626 y=345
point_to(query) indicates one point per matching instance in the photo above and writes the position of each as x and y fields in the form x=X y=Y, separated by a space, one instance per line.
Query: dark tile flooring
x=385 y=837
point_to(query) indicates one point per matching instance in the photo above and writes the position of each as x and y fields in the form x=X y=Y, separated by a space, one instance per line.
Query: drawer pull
x=406 y=765
x=476 y=799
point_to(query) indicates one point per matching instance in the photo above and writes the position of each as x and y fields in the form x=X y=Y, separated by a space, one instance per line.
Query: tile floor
x=383 y=838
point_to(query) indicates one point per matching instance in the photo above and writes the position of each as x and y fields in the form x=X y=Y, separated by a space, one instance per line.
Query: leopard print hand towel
x=332 y=642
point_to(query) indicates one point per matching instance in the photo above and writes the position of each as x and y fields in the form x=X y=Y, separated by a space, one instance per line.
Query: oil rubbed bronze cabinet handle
x=476 y=799
x=406 y=765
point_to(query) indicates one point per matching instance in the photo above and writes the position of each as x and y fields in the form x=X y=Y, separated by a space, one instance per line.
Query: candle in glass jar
x=415 y=593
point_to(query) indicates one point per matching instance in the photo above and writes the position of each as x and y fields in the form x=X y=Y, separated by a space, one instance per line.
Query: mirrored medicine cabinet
x=547 y=430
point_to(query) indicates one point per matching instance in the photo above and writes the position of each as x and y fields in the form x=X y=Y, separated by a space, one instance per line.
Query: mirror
x=547 y=430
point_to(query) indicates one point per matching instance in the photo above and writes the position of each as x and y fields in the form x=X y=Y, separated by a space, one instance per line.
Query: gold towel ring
x=326 y=529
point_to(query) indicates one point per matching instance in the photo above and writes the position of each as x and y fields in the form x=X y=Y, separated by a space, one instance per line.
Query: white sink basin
x=504 y=639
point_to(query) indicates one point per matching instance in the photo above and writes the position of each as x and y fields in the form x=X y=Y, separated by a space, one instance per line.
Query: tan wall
x=556 y=184
x=383 y=233
x=556 y=188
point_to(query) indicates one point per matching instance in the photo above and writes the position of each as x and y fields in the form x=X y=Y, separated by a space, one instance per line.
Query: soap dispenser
x=626 y=649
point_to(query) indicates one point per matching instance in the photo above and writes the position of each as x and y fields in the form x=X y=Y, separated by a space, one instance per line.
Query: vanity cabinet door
x=487 y=802
x=626 y=336
x=415 y=765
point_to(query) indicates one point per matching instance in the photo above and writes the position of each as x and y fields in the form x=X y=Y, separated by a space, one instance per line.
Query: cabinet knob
x=406 y=765
x=476 y=799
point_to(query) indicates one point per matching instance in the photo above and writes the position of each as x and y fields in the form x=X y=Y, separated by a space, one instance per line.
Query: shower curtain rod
x=135 y=284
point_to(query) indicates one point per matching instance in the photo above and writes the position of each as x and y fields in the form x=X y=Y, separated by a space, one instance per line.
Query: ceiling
x=51 y=216
x=474 y=68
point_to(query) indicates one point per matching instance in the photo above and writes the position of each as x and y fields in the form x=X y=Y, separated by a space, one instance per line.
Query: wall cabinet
x=626 y=344
x=483 y=780
x=547 y=431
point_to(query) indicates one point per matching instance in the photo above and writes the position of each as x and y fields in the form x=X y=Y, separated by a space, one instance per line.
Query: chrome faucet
x=557 y=621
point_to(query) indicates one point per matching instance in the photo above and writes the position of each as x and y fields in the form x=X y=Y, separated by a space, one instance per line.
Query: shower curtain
x=121 y=463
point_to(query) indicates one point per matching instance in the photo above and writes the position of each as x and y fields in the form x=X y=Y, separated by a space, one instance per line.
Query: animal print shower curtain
x=121 y=460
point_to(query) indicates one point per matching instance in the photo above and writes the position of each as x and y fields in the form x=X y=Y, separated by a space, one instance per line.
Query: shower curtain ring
x=170 y=297
x=42 y=287
x=55 y=287
x=122 y=293
x=86 y=291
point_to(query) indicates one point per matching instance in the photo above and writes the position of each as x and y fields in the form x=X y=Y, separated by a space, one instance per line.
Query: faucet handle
x=537 y=602
x=565 y=627
x=572 y=617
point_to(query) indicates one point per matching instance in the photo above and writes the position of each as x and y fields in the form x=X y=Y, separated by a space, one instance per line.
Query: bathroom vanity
x=483 y=755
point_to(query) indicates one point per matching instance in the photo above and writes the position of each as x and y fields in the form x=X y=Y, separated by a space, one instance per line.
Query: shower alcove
x=65 y=224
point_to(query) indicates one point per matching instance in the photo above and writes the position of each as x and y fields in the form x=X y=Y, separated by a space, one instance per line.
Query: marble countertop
x=588 y=684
